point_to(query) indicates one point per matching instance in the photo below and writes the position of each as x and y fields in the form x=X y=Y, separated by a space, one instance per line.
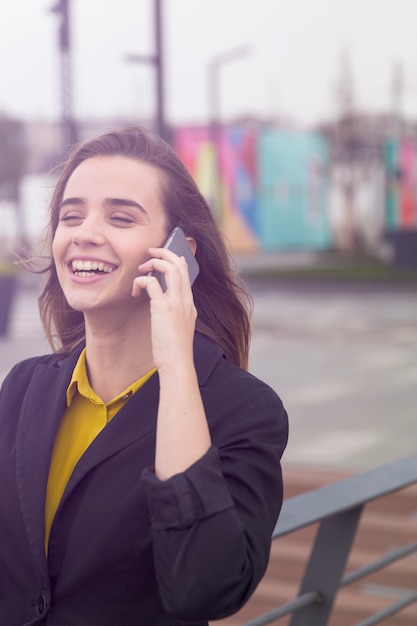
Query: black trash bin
x=404 y=244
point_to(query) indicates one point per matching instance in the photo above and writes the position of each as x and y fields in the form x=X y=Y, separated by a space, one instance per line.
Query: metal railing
x=338 y=507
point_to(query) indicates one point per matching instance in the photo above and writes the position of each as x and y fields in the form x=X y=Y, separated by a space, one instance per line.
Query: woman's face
x=110 y=214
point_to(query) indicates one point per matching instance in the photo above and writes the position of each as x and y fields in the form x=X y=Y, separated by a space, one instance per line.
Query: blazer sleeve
x=212 y=524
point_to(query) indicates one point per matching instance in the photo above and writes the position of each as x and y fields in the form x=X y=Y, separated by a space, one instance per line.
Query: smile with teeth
x=90 y=268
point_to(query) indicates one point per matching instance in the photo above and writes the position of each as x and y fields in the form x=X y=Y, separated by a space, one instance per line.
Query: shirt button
x=41 y=605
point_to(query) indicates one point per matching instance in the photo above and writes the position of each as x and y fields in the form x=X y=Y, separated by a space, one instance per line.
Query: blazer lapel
x=134 y=421
x=206 y=355
x=42 y=409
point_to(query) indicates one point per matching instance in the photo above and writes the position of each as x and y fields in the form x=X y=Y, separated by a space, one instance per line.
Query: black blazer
x=125 y=548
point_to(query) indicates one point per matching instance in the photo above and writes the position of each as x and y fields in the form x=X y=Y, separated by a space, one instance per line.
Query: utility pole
x=69 y=129
x=157 y=60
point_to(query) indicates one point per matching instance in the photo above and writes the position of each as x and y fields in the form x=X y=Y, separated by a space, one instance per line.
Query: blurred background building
x=345 y=181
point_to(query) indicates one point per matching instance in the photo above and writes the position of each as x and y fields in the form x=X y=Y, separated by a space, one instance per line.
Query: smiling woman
x=110 y=215
x=140 y=461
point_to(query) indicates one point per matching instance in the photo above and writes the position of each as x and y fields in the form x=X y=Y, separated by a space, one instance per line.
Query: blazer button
x=41 y=605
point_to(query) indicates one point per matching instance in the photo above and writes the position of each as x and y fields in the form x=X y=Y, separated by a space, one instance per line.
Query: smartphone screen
x=178 y=244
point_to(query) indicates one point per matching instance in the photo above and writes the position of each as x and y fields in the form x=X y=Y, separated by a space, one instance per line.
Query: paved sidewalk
x=344 y=360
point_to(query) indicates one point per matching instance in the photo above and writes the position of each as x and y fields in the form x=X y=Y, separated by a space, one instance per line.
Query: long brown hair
x=222 y=301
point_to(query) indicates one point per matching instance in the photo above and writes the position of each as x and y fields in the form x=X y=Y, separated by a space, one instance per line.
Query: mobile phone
x=178 y=244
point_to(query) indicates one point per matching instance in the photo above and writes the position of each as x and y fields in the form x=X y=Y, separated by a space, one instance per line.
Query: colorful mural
x=268 y=188
x=401 y=193
x=223 y=163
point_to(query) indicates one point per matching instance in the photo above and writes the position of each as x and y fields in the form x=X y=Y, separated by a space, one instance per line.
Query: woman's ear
x=193 y=244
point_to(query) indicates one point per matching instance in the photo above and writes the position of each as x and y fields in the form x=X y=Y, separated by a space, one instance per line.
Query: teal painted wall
x=293 y=191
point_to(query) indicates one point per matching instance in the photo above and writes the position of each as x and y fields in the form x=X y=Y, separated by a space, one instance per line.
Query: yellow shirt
x=85 y=416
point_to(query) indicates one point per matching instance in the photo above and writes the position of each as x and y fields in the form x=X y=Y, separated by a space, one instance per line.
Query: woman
x=139 y=463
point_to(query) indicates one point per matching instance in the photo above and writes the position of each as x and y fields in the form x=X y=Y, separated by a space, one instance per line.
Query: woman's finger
x=148 y=283
x=174 y=268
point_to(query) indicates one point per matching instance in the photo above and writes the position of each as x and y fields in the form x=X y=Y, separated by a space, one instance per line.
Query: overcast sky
x=291 y=70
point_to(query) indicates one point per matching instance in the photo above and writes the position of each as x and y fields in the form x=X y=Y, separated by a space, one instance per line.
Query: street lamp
x=215 y=66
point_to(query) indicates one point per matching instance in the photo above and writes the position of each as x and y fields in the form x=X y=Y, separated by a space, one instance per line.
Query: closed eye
x=71 y=218
x=122 y=219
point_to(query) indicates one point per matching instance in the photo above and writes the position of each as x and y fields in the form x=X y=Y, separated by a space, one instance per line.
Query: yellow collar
x=79 y=380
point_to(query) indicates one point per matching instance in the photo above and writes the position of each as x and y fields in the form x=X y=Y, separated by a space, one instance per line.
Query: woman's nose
x=88 y=232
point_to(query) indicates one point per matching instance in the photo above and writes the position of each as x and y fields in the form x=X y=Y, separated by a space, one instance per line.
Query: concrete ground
x=344 y=360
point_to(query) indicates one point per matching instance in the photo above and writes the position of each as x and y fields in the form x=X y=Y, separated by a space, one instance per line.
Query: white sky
x=291 y=70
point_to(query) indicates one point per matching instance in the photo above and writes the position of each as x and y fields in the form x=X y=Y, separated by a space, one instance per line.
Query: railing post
x=326 y=565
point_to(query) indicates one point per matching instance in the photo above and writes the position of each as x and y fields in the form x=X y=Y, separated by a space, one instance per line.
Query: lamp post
x=157 y=61
x=216 y=64
x=69 y=128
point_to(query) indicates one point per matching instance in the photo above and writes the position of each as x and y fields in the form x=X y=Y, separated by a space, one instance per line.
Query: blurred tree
x=346 y=148
x=13 y=159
